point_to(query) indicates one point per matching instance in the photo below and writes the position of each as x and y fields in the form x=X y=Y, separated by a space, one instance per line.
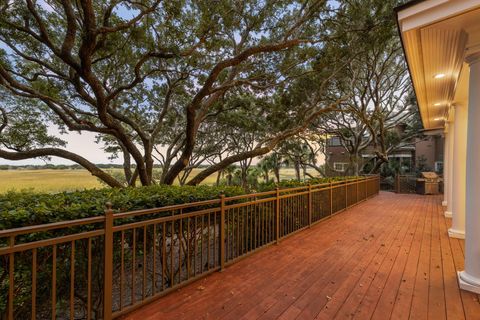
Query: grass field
x=47 y=180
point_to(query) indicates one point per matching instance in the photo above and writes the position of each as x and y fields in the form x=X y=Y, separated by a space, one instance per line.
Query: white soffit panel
x=437 y=34
x=413 y=50
x=443 y=53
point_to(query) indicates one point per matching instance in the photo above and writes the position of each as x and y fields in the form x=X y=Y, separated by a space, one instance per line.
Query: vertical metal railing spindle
x=72 y=281
x=34 y=283
x=108 y=263
x=54 y=282
x=11 y=278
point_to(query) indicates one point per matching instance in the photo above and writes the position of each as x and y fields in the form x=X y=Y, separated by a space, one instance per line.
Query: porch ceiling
x=437 y=35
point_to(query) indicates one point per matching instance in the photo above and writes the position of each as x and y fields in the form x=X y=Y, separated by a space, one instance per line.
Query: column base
x=444 y=203
x=453 y=233
x=448 y=214
x=467 y=282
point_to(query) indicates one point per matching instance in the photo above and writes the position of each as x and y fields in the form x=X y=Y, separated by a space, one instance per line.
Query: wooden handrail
x=200 y=238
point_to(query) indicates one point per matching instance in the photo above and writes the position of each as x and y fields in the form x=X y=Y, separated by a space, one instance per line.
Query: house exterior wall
x=431 y=150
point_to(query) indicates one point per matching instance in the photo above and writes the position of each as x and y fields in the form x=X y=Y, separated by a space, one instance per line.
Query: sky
x=82 y=144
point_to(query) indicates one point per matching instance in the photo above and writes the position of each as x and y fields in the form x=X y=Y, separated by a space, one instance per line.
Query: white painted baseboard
x=467 y=285
x=452 y=233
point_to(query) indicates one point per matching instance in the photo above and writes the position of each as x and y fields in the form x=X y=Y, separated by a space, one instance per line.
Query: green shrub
x=19 y=209
x=295 y=183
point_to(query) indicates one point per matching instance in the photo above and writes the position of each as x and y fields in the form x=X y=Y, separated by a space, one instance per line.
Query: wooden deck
x=387 y=258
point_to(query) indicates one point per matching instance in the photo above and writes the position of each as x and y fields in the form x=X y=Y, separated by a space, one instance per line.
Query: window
x=439 y=166
x=335 y=142
x=340 y=166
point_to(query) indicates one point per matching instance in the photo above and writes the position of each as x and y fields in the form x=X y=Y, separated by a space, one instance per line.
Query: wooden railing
x=106 y=266
x=405 y=183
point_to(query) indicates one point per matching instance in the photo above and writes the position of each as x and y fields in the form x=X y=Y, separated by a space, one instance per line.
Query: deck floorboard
x=387 y=258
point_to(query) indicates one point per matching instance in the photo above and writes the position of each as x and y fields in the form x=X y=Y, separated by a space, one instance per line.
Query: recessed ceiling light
x=437 y=104
x=438 y=119
x=439 y=76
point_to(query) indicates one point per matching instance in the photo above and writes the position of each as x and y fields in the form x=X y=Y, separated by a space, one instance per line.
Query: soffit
x=440 y=47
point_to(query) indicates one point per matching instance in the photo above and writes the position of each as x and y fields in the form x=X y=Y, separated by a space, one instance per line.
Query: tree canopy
x=144 y=75
x=184 y=83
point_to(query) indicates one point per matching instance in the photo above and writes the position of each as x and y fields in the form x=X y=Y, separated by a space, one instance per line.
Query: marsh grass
x=49 y=180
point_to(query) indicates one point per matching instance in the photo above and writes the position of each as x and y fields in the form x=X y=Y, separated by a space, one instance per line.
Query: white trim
x=473 y=58
x=458 y=234
x=400 y=155
x=418 y=8
x=467 y=282
x=432 y=11
x=343 y=164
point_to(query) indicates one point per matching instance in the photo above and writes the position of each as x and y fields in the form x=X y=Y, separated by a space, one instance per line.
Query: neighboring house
x=429 y=153
x=425 y=155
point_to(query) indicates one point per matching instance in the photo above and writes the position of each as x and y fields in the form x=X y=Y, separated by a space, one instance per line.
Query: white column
x=459 y=173
x=445 y=165
x=470 y=278
x=451 y=134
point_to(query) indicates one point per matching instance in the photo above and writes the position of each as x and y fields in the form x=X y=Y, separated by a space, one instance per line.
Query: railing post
x=108 y=263
x=222 y=232
x=277 y=215
x=356 y=190
x=309 y=205
x=369 y=186
x=378 y=184
x=331 y=197
x=366 y=187
x=346 y=194
x=11 y=278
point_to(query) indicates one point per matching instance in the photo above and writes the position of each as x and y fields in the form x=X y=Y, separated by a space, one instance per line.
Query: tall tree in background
x=352 y=133
x=271 y=163
x=380 y=98
x=144 y=76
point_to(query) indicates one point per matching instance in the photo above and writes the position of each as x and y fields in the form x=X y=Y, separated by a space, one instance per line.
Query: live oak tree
x=307 y=147
x=352 y=133
x=297 y=153
x=144 y=76
x=380 y=111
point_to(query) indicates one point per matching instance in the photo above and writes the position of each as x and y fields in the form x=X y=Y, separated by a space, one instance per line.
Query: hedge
x=295 y=183
x=26 y=208
x=19 y=209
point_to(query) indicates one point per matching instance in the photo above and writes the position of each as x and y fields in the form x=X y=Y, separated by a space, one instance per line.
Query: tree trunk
x=244 y=177
x=297 y=170
x=226 y=162
x=127 y=165
x=381 y=159
x=355 y=164
x=190 y=136
x=276 y=171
